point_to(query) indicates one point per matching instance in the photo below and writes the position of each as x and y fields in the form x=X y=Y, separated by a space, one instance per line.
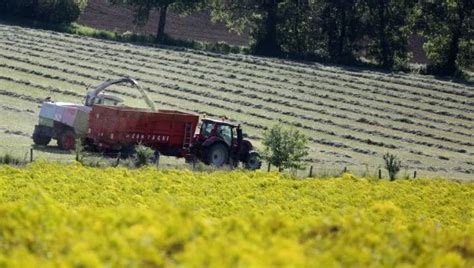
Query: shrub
x=284 y=148
x=143 y=155
x=9 y=159
x=392 y=164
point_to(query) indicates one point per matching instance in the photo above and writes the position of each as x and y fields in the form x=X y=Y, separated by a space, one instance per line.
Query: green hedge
x=56 y=11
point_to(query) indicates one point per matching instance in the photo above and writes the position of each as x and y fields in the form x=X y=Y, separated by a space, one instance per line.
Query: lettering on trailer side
x=159 y=138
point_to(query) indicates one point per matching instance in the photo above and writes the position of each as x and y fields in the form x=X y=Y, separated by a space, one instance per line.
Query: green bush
x=56 y=11
x=285 y=148
x=9 y=159
x=392 y=164
x=144 y=154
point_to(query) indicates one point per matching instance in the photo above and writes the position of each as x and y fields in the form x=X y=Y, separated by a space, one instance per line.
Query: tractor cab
x=221 y=142
x=225 y=131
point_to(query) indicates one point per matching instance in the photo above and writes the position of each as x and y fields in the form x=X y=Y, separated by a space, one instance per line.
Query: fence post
x=31 y=155
x=414 y=175
x=311 y=172
x=158 y=160
x=268 y=169
x=118 y=159
x=380 y=173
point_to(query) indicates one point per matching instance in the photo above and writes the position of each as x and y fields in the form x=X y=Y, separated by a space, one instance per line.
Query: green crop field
x=352 y=116
x=55 y=215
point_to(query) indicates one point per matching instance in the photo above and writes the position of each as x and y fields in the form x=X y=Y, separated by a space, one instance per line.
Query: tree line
x=338 y=31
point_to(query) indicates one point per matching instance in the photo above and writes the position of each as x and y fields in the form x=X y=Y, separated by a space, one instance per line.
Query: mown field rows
x=442 y=138
x=187 y=62
x=351 y=116
x=283 y=102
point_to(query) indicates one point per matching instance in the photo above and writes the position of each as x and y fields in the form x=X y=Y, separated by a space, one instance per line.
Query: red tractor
x=221 y=142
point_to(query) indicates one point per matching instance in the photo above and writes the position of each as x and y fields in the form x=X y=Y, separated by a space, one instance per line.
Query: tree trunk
x=160 y=34
x=450 y=65
x=33 y=11
x=268 y=44
x=342 y=35
x=296 y=27
x=386 y=58
x=34 y=5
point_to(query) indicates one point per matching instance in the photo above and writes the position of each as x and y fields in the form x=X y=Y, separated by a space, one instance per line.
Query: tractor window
x=225 y=132
x=206 y=129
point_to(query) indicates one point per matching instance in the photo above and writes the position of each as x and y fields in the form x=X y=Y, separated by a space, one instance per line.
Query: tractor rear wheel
x=67 y=140
x=217 y=155
x=253 y=161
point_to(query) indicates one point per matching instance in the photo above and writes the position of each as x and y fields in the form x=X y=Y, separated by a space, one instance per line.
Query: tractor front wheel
x=217 y=155
x=253 y=161
x=67 y=140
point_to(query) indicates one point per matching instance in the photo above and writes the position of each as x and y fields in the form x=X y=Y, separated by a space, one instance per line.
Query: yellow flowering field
x=69 y=215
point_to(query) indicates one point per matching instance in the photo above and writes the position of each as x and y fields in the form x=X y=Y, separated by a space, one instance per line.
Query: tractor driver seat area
x=225 y=132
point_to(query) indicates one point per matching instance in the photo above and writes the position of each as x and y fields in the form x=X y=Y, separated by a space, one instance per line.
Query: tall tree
x=142 y=9
x=260 y=16
x=448 y=26
x=388 y=30
x=339 y=23
x=294 y=31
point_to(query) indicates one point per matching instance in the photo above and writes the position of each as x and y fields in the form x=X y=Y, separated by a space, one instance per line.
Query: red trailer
x=119 y=128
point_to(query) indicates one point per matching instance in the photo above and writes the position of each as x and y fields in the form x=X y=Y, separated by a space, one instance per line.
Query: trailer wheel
x=253 y=161
x=67 y=140
x=41 y=135
x=217 y=155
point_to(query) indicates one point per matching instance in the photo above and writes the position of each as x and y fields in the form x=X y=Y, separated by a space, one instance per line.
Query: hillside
x=352 y=116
